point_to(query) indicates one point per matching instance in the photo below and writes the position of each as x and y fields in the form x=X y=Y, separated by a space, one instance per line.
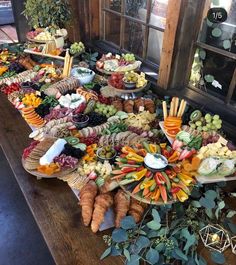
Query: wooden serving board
x=39 y=175
x=44 y=54
x=214 y=179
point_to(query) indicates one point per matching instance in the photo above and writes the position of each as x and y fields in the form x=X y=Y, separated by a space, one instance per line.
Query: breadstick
x=180 y=108
x=164 y=109
x=176 y=106
x=184 y=106
x=171 y=109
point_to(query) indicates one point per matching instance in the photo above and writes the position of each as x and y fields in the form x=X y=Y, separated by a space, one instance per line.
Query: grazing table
x=52 y=202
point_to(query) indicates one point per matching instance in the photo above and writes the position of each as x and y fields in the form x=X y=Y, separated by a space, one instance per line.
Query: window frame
x=102 y=12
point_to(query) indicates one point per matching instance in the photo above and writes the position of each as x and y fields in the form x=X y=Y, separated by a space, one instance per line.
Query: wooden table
x=52 y=202
x=54 y=206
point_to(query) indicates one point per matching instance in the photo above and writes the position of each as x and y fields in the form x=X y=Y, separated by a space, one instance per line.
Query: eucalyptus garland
x=170 y=233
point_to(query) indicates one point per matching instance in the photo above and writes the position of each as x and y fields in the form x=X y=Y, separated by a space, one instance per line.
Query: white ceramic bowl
x=84 y=78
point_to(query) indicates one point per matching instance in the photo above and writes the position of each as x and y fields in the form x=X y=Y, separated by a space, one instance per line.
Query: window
x=214 y=66
x=136 y=26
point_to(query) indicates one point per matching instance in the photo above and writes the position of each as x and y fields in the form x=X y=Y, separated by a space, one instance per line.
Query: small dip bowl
x=80 y=120
x=102 y=157
x=155 y=162
x=129 y=85
x=84 y=75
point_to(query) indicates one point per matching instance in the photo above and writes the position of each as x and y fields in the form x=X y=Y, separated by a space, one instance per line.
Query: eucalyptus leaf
x=143 y=242
x=196 y=204
x=178 y=254
x=154 y=225
x=211 y=194
x=128 y=222
x=202 y=261
x=217 y=257
x=209 y=213
x=207 y=203
x=105 y=253
x=134 y=260
x=152 y=256
x=190 y=242
x=156 y=216
x=160 y=247
x=127 y=254
x=226 y=44
x=115 y=251
x=232 y=227
x=216 y=32
x=119 y=235
x=230 y=214
x=221 y=205
x=209 y=78
x=202 y=54
x=191 y=261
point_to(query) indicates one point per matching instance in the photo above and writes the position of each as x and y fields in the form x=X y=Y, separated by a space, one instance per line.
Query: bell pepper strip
x=127 y=149
x=126 y=181
x=167 y=180
x=134 y=157
x=177 y=169
x=182 y=186
x=116 y=172
x=139 y=175
x=153 y=148
x=146 y=191
x=163 y=193
x=142 y=152
x=187 y=180
x=181 y=195
x=171 y=174
x=147 y=147
x=131 y=162
x=163 y=145
x=117 y=177
x=128 y=169
x=165 y=153
x=176 y=180
x=139 y=168
x=174 y=157
x=156 y=195
x=123 y=156
x=122 y=160
x=159 y=179
x=154 y=185
x=175 y=190
x=148 y=174
x=136 y=189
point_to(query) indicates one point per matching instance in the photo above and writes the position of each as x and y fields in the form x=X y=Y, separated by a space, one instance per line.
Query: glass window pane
x=212 y=73
x=112 y=28
x=223 y=34
x=158 y=13
x=155 y=41
x=134 y=36
x=233 y=100
x=136 y=9
x=113 y=5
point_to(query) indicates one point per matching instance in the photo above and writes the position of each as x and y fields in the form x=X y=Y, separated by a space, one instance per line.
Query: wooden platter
x=41 y=175
x=44 y=54
x=112 y=72
x=215 y=179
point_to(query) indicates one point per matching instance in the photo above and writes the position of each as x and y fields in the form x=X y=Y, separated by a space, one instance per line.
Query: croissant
x=118 y=104
x=138 y=104
x=129 y=106
x=121 y=201
x=102 y=203
x=136 y=210
x=149 y=105
x=87 y=197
